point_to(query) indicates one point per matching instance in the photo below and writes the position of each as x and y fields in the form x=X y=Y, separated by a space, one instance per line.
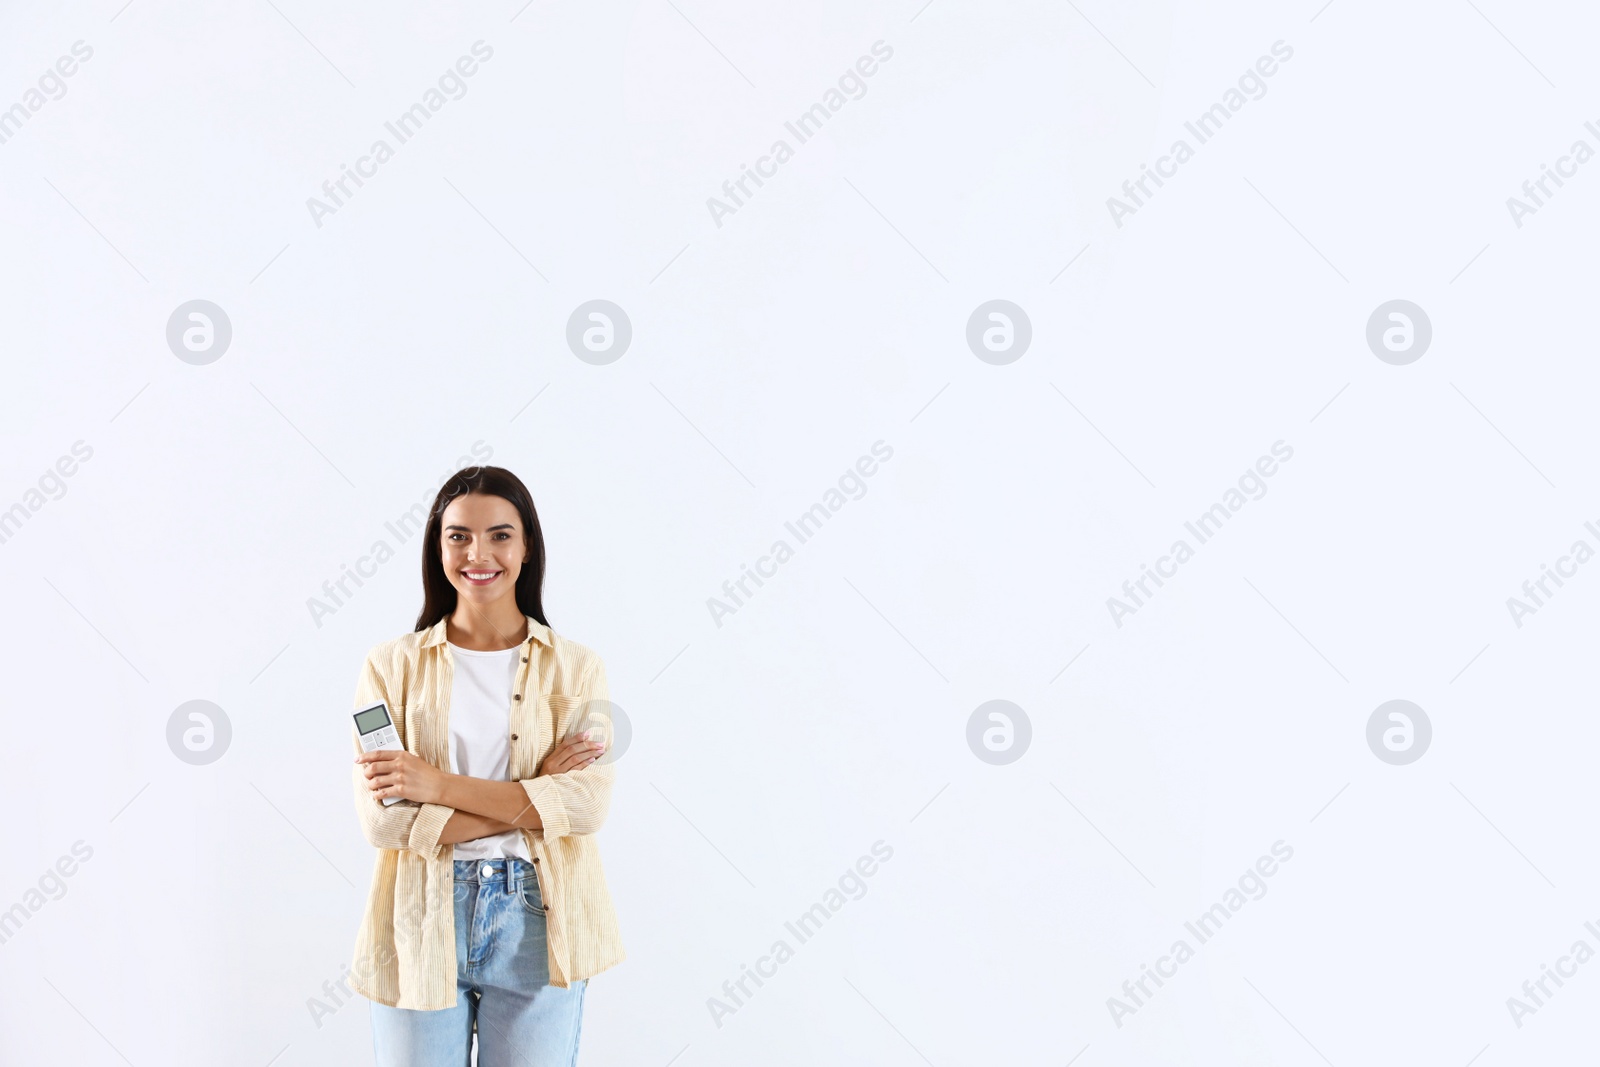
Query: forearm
x=502 y=802
x=469 y=826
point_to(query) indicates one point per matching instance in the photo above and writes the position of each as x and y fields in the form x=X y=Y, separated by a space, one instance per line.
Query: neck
x=490 y=628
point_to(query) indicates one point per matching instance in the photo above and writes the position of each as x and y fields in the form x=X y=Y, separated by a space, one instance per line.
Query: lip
x=465 y=576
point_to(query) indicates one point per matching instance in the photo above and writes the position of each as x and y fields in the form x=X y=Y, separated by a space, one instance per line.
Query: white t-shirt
x=480 y=734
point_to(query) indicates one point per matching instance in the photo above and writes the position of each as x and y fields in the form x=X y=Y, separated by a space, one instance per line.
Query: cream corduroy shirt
x=405 y=952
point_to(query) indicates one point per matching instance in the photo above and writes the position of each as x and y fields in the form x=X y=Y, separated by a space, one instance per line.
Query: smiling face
x=482 y=547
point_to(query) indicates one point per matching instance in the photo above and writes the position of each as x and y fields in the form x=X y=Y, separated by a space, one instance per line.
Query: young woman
x=488 y=908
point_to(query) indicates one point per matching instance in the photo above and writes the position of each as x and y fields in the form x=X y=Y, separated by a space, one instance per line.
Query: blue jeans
x=502 y=983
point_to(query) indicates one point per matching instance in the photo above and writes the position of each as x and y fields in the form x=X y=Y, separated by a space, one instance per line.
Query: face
x=482 y=546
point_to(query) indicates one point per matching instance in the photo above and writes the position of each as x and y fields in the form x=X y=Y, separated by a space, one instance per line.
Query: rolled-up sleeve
x=576 y=801
x=406 y=825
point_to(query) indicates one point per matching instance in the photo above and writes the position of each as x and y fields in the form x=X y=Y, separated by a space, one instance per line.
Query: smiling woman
x=488 y=902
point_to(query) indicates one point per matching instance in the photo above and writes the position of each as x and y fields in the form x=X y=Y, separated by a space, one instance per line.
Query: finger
x=569 y=750
x=581 y=757
x=578 y=761
x=572 y=752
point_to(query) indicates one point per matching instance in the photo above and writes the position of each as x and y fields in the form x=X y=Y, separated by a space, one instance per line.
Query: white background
x=830 y=711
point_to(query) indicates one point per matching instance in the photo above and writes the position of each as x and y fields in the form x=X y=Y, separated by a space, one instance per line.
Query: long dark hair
x=438 y=595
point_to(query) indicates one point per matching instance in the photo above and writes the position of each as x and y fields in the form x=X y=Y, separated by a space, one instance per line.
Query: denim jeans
x=502 y=983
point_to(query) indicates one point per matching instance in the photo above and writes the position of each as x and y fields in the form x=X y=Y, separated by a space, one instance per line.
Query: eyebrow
x=502 y=526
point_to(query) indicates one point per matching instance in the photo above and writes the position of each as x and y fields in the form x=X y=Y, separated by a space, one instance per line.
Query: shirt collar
x=537 y=631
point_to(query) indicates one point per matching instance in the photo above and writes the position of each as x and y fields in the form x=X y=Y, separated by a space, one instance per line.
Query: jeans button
x=487 y=871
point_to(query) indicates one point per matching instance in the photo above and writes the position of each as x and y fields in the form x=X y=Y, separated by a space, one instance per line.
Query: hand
x=571 y=755
x=402 y=774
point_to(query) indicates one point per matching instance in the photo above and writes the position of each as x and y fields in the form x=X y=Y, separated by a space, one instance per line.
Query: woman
x=488 y=907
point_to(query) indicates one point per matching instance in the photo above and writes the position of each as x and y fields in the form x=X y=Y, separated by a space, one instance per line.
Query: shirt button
x=524 y=659
x=516 y=696
x=513 y=737
x=487 y=871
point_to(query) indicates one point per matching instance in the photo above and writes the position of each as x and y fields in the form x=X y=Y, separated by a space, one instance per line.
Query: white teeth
x=481 y=575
